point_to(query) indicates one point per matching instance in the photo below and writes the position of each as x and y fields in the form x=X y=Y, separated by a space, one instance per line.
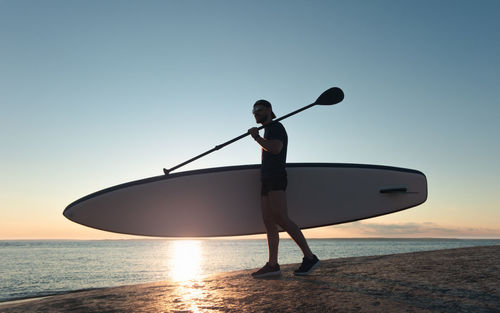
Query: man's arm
x=271 y=146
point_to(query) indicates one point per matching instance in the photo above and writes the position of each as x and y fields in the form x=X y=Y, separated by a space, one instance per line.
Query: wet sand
x=455 y=280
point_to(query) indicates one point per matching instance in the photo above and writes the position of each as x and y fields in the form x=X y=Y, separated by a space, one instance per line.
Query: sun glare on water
x=186 y=260
x=185 y=269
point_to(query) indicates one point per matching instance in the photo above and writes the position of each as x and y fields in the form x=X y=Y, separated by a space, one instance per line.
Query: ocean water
x=40 y=268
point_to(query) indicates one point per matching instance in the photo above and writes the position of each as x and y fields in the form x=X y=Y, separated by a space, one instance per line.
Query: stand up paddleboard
x=225 y=201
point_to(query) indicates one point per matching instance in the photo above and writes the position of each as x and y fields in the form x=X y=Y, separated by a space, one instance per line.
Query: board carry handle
x=394 y=190
x=330 y=96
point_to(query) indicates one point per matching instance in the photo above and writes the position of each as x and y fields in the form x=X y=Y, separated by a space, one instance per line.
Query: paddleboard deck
x=225 y=201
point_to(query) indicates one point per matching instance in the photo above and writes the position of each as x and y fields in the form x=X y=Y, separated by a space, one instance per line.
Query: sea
x=37 y=268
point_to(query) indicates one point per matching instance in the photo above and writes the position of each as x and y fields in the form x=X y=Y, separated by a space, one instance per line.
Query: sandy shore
x=456 y=280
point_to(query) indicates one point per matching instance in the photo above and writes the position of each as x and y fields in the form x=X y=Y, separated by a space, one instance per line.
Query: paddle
x=329 y=97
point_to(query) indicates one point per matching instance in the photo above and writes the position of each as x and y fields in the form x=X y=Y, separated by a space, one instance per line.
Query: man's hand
x=272 y=146
x=254 y=132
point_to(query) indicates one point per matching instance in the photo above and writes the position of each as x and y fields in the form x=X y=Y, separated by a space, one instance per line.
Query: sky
x=98 y=93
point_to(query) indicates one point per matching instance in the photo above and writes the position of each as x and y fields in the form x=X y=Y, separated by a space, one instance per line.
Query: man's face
x=260 y=113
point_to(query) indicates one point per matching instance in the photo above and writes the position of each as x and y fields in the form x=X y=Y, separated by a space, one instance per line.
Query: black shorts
x=273 y=183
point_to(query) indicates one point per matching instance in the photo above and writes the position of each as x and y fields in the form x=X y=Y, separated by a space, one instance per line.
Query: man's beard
x=261 y=119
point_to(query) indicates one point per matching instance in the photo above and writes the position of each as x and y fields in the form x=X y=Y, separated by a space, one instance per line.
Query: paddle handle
x=331 y=96
x=218 y=147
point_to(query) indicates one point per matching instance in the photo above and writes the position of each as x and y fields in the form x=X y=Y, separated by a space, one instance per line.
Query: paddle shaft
x=218 y=147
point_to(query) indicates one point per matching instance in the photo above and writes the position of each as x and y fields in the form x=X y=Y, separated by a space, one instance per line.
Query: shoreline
x=28 y=299
x=452 y=280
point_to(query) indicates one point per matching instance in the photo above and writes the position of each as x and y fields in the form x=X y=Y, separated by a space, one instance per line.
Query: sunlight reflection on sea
x=185 y=268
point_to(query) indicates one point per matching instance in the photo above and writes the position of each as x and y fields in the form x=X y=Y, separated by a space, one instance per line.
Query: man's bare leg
x=271 y=230
x=278 y=205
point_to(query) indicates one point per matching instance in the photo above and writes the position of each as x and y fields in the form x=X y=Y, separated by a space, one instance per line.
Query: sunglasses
x=258 y=109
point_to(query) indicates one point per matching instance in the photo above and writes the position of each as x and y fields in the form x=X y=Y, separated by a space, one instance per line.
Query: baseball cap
x=267 y=104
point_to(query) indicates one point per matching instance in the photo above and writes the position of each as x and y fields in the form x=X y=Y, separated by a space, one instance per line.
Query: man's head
x=263 y=111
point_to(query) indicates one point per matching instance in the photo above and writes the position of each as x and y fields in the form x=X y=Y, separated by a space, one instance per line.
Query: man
x=273 y=192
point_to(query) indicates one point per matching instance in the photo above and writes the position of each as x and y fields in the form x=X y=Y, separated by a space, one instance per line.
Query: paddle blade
x=331 y=96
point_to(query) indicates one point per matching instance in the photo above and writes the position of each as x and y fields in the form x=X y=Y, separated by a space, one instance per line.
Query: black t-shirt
x=274 y=164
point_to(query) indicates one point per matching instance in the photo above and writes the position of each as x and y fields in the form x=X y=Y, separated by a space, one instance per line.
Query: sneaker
x=267 y=270
x=308 y=265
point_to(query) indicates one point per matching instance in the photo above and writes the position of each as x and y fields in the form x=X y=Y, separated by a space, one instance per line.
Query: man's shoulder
x=276 y=125
x=275 y=130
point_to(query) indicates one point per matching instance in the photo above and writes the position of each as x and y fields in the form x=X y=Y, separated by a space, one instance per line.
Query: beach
x=453 y=280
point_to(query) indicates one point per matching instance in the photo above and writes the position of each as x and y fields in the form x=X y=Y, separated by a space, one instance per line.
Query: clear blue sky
x=97 y=93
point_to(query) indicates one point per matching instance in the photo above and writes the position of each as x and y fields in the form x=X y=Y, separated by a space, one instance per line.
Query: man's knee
x=282 y=220
x=270 y=224
x=267 y=214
